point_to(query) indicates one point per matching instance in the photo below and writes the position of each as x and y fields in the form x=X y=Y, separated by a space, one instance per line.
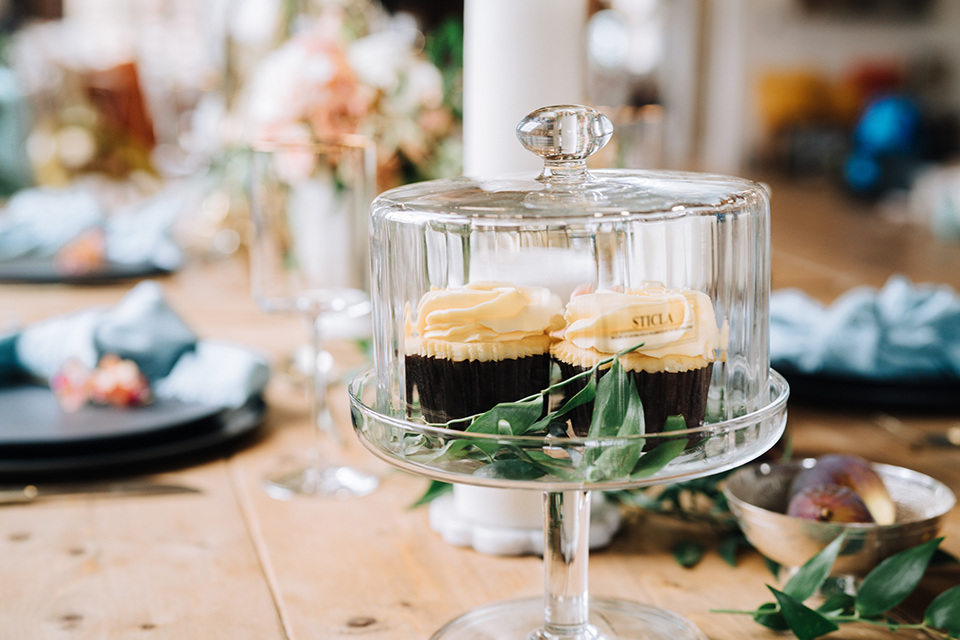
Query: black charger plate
x=45 y=271
x=923 y=395
x=38 y=439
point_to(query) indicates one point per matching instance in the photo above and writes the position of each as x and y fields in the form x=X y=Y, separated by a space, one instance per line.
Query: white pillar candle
x=518 y=56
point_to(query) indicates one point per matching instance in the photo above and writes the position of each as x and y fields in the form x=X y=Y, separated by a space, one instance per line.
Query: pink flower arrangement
x=322 y=83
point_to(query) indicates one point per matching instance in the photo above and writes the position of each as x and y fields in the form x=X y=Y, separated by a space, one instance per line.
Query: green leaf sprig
x=883 y=589
x=618 y=413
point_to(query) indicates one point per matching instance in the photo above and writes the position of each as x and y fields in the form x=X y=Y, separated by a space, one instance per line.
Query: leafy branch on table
x=883 y=589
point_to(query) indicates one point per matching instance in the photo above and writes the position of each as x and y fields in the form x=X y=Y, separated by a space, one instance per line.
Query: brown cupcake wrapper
x=662 y=393
x=449 y=390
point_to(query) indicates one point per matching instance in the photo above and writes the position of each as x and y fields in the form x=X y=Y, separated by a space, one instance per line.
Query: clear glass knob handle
x=564 y=136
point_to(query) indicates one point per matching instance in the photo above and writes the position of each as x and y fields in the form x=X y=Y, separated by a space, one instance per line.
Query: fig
x=854 y=473
x=829 y=503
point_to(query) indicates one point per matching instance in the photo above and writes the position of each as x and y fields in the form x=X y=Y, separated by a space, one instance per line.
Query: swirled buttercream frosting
x=472 y=347
x=672 y=370
x=668 y=322
x=487 y=312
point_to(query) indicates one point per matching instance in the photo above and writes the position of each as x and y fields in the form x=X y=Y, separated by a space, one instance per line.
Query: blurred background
x=129 y=100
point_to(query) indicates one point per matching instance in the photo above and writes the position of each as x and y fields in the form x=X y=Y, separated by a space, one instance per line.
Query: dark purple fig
x=854 y=473
x=829 y=503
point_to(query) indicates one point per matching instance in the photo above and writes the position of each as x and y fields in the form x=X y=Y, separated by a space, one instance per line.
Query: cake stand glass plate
x=565 y=469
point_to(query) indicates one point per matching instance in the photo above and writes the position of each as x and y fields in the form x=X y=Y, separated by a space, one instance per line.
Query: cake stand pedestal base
x=609 y=620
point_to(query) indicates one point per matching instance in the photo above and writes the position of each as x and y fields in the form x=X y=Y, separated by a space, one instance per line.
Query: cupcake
x=672 y=370
x=475 y=346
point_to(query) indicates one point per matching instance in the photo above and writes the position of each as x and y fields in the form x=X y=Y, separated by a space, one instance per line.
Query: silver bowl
x=758 y=496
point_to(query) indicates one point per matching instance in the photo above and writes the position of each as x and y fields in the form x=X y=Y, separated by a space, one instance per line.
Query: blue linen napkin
x=39 y=221
x=901 y=332
x=142 y=328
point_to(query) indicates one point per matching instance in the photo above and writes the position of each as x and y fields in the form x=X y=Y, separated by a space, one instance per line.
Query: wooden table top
x=231 y=562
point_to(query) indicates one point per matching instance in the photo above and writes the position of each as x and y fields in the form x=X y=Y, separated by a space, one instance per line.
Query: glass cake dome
x=565 y=332
x=675 y=262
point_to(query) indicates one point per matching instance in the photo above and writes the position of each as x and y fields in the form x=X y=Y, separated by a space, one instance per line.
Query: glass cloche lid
x=565 y=136
x=493 y=289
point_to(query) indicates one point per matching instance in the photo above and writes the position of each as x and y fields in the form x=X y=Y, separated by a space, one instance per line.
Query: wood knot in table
x=360 y=622
x=70 y=620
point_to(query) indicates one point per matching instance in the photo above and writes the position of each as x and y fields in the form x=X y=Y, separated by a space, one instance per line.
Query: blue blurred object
x=887 y=146
x=862 y=172
x=889 y=125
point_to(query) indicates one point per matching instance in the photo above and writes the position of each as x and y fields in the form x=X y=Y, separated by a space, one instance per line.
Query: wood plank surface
x=231 y=562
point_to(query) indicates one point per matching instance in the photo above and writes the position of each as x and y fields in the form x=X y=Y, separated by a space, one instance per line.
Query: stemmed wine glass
x=309 y=255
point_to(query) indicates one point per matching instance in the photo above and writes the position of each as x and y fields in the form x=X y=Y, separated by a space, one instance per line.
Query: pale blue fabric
x=141 y=327
x=903 y=331
x=38 y=222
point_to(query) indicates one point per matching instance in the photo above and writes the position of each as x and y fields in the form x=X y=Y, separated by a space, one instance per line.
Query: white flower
x=423 y=87
x=283 y=87
x=379 y=58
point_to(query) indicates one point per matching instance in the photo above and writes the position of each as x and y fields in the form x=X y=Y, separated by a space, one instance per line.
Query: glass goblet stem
x=320 y=418
x=566 y=540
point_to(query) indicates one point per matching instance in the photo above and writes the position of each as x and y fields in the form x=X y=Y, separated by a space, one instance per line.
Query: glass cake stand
x=565 y=470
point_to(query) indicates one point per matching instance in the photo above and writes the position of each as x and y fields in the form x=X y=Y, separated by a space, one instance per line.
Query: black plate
x=44 y=270
x=101 y=438
x=32 y=418
x=937 y=395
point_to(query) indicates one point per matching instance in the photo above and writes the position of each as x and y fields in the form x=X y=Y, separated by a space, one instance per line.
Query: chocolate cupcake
x=673 y=367
x=476 y=346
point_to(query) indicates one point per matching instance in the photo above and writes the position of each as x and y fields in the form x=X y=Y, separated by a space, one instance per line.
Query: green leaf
x=585 y=395
x=944 y=612
x=512 y=469
x=617 y=461
x=769 y=616
x=804 y=622
x=772 y=566
x=837 y=604
x=688 y=553
x=562 y=468
x=434 y=491
x=655 y=460
x=729 y=546
x=612 y=402
x=808 y=578
x=892 y=580
x=614 y=462
x=519 y=417
x=617 y=411
x=661 y=455
x=450 y=449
